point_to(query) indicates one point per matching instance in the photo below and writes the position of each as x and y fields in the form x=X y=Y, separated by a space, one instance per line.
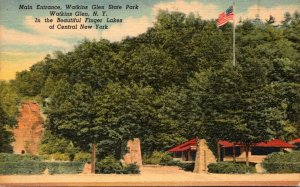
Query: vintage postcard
x=149 y=93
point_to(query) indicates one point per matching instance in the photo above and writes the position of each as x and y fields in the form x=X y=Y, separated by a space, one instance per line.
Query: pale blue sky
x=23 y=42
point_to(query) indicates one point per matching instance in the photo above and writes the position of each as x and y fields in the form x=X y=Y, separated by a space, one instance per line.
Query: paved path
x=161 y=176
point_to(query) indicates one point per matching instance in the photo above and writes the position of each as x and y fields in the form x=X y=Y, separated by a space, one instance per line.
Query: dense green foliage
x=11 y=164
x=172 y=83
x=57 y=157
x=131 y=169
x=6 y=137
x=230 y=167
x=186 y=166
x=37 y=167
x=83 y=157
x=7 y=157
x=167 y=160
x=159 y=158
x=282 y=162
x=57 y=148
x=65 y=167
x=22 y=168
x=156 y=158
x=110 y=165
x=8 y=112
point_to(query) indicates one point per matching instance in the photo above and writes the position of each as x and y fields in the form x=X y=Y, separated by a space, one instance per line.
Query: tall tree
x=236 y=110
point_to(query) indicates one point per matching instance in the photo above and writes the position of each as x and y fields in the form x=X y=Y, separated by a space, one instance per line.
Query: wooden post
x=233 y=153
x=247 y=148
x=93 y=158
x=219 y=151
x=205 y=161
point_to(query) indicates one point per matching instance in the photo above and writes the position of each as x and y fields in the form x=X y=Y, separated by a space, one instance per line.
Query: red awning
x=184 y=146
x=295 y=141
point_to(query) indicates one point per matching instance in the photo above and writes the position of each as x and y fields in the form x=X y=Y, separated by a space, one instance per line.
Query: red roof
x=295 y=141
x=274 y=143
x=184 y=146
x=225 y=144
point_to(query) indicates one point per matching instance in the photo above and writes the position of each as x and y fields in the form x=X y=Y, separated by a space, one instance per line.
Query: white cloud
x=205 y=11
x=129 y=27
x=14 y=37
x=42 y=28
x=135 y=26
x=264 y=13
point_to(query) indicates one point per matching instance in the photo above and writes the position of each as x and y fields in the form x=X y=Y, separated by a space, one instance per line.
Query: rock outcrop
x=30 y=128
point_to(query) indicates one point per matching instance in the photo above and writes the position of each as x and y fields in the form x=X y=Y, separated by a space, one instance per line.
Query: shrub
x=282 y=162
x=65 y=167
x=46 y=157
x=22 y=168
x=7 y=157
x=171 y=163
x=154 y=158
x=166 y=159
x=60 y=157
x=28 y=164
x=230 y=167
x=108 y=165
x=186 y=166
x=131 y=169
x=83 y=157
x=111 y=165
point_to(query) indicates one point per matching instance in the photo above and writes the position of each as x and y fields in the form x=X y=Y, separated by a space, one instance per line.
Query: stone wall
x=134 y=154
x=204 y=156
x=29 y=130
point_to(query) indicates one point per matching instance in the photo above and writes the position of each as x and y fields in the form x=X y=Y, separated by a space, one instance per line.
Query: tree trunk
x=93 y=158
x=247 y=148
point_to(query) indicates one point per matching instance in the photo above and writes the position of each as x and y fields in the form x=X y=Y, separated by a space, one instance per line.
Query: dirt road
x=154 y=176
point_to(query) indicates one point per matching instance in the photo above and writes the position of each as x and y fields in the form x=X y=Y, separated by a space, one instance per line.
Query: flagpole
x=233 y=28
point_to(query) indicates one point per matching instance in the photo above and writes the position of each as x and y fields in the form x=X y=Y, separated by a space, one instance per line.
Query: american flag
x=224 y=17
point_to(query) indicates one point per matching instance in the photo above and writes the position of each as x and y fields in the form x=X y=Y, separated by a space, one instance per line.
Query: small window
x=229 y=151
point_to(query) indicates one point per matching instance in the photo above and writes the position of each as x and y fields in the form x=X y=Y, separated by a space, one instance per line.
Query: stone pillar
x=204 y=156
x=134 y=154
x=189 y=156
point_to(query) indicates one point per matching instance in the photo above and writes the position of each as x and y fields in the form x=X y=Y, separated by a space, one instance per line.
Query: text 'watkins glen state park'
x=95 y=16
